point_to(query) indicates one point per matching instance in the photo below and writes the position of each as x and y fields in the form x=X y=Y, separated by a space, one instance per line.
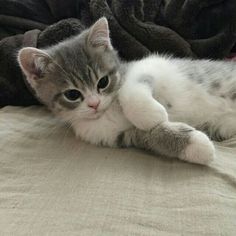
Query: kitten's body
x=199 y=93
x=142 y=102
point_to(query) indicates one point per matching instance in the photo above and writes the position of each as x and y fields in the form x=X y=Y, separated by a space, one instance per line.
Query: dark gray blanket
x=184 y=28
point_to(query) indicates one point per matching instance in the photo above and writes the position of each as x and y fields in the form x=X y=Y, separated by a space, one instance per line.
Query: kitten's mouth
x=96 y=114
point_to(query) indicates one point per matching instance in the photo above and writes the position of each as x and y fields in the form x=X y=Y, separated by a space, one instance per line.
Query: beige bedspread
x=52 y=184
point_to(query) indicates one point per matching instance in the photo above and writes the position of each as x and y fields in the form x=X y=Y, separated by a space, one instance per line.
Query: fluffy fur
x=153 y=103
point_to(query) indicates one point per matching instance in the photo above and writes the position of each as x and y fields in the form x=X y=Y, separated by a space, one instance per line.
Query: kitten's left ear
x=99 y=34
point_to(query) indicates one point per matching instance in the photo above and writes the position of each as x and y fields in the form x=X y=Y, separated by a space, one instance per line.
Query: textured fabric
x=53 y=184
x=184 y=28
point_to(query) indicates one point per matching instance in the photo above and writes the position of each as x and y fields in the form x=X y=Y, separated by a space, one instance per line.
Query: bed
x=53 y=184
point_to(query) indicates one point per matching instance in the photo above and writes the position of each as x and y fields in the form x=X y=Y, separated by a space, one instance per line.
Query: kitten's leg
x=171 y=139
x=139 y=106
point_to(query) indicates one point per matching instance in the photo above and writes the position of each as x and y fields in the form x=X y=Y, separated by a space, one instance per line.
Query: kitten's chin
x=95 y=115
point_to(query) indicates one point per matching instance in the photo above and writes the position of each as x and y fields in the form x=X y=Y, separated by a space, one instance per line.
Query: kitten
x=141 y=103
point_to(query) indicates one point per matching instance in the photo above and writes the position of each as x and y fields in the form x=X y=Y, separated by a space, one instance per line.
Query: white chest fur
x=105 y=129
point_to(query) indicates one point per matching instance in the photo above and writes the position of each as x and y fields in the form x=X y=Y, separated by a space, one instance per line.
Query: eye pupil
x=103 y=82
x=72 y=94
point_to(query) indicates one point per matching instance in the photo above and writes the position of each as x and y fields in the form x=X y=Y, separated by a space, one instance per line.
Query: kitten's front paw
x=200 y=150
x=149 y=118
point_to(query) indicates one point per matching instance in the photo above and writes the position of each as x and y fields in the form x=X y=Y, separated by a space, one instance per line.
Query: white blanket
x=53 y=184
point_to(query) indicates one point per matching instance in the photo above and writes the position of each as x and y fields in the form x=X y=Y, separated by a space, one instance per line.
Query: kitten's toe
x=200 y=150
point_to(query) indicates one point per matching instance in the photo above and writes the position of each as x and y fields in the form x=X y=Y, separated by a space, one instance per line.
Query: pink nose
x=93 y=102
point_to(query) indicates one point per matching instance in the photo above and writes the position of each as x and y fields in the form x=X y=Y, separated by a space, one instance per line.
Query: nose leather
x=93 y=101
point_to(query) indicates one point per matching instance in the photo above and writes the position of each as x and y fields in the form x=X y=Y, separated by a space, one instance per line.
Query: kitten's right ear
x=99 y=34
x=33 y=63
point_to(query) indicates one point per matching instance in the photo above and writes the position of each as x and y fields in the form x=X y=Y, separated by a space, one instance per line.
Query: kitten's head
x=77 y=78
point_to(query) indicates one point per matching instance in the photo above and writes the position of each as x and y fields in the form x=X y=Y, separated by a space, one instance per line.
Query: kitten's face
x=78 y=78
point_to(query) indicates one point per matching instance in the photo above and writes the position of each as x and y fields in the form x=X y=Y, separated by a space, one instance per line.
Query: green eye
x=103 y=82
x=72 y=94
